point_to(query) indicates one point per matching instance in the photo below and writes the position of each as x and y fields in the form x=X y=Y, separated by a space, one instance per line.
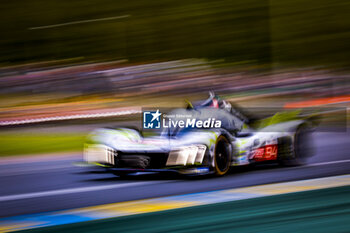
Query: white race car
x=198 y=150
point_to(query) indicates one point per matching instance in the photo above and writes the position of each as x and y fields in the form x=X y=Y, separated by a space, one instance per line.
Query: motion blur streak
x=69 y=67
x=78 y=22
x=72 y=190
x=167 y=203
x=275 y=213
x=295 y=33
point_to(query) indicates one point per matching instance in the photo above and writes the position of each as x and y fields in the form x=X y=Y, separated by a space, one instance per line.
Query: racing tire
x=222 y=156
x=302 y=148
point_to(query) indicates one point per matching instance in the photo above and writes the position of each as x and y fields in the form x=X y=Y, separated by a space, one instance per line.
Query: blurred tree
x=290 y=32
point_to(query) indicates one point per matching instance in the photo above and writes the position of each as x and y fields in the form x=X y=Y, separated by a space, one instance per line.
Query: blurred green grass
x=17 y=143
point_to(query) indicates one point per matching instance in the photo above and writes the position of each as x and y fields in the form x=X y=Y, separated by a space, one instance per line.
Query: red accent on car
x=268 y=152
x=215 y=103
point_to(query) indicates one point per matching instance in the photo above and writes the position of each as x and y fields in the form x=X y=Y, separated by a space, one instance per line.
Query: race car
x=197 y=150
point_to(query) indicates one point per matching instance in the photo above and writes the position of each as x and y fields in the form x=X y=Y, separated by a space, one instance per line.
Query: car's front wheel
x=222 y=156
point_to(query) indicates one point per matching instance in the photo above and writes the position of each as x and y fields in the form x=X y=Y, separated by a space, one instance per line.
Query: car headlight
x=187 y=155
x=98 y=153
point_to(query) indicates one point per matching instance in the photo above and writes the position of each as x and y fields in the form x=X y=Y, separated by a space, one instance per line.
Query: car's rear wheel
x=300 y=149
x=222 y=156
x=302 y=144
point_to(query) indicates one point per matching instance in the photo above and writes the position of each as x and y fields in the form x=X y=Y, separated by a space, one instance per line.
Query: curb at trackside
x=152 y=205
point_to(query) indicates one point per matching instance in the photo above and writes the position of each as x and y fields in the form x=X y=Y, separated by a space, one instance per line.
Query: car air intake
x=134 y=161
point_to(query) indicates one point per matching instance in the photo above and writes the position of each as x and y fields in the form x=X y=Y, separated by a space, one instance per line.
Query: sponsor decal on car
x=268 y=152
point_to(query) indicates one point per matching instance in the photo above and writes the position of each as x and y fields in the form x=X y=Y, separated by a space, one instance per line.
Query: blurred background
x=68 y=67
x=67 y=59
x=261 y=33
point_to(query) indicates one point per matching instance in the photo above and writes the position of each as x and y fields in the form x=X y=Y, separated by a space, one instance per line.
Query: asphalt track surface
x=54 y=183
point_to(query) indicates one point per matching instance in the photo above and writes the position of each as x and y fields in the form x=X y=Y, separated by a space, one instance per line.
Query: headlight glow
x=200 y=153
x=187 y=155
x=192 y=153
